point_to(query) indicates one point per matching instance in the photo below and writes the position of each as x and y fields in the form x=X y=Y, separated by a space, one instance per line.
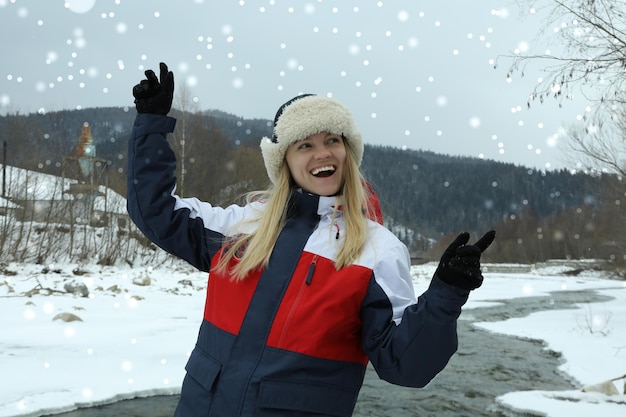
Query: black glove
x=460 y=263
x=152 y=96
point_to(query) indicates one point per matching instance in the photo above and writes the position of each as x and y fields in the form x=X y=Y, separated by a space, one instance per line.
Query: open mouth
x=323 y=172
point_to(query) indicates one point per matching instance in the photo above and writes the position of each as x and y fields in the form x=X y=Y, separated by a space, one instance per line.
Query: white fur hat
x=301 y=117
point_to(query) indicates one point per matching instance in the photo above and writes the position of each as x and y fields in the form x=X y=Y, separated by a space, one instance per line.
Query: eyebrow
x=308 y=138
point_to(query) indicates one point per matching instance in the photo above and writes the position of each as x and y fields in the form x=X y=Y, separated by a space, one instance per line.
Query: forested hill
x=442 y=194
x=426 y=193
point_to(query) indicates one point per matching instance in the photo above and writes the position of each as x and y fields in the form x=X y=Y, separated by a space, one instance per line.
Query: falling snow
x=414 y=75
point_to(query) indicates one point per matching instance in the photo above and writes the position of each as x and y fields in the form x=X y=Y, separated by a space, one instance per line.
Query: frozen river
x=486 y=365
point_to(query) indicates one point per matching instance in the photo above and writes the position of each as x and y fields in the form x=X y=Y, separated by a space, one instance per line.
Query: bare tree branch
x=592 y=34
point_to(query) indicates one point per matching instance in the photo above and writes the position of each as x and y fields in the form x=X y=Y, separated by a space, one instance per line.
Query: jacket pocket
x=203 y=368
x=197 y=392
x=294 y=398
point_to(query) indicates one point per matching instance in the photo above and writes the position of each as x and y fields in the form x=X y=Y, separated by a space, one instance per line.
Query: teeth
x=322 y=169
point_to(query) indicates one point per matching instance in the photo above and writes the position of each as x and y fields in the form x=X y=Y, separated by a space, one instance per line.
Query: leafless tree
x=599 y=145
x=591 y=38
x=182 y=137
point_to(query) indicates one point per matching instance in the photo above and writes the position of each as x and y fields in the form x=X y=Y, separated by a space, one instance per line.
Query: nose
x=322 y=152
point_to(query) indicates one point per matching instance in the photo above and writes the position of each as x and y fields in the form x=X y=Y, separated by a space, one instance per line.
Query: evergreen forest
x=426 y=198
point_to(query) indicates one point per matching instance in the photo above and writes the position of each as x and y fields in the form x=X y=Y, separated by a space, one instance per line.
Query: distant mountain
x=443 y=194
x=421 y=192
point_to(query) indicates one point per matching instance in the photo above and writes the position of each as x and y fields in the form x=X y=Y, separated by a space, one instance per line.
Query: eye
x=334 y=139
x=303 y=145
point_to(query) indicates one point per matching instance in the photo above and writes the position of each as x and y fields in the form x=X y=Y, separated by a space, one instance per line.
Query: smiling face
x=317 y=163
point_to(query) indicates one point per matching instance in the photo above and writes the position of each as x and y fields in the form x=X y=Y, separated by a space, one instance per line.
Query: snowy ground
x=131 y=335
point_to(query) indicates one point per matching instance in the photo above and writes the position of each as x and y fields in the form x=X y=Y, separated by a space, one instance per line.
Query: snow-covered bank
x=592 y=342
x=132 y=334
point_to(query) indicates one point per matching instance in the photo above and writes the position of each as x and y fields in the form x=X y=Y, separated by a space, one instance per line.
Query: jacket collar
x=312 y=205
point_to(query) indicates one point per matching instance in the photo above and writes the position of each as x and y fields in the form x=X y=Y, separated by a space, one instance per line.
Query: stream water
x=485 y=366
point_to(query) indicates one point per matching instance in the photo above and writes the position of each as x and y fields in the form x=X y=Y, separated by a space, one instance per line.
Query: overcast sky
x=418 y=74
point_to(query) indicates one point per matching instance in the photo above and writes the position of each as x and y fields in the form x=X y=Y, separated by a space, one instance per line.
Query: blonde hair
x=256 y=247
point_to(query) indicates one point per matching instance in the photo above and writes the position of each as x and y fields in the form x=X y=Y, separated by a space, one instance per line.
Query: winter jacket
x=293 y=339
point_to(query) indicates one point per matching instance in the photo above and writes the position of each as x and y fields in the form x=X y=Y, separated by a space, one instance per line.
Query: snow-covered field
x=127 y=332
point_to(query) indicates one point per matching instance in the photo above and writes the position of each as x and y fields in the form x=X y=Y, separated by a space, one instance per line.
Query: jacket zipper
x=309 y=275
x=307 y=282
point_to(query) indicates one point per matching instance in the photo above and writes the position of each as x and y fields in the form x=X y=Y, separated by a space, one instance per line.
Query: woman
x=305 y=289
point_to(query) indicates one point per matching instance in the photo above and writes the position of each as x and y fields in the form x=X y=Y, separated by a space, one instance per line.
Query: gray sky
x=414 y=73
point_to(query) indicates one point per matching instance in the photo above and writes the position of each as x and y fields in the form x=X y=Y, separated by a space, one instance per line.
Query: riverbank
x=124 y=344
x=486 y=366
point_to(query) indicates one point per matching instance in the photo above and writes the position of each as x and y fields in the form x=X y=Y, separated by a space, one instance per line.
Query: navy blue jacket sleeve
x=151 y=201
x=410 y=350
